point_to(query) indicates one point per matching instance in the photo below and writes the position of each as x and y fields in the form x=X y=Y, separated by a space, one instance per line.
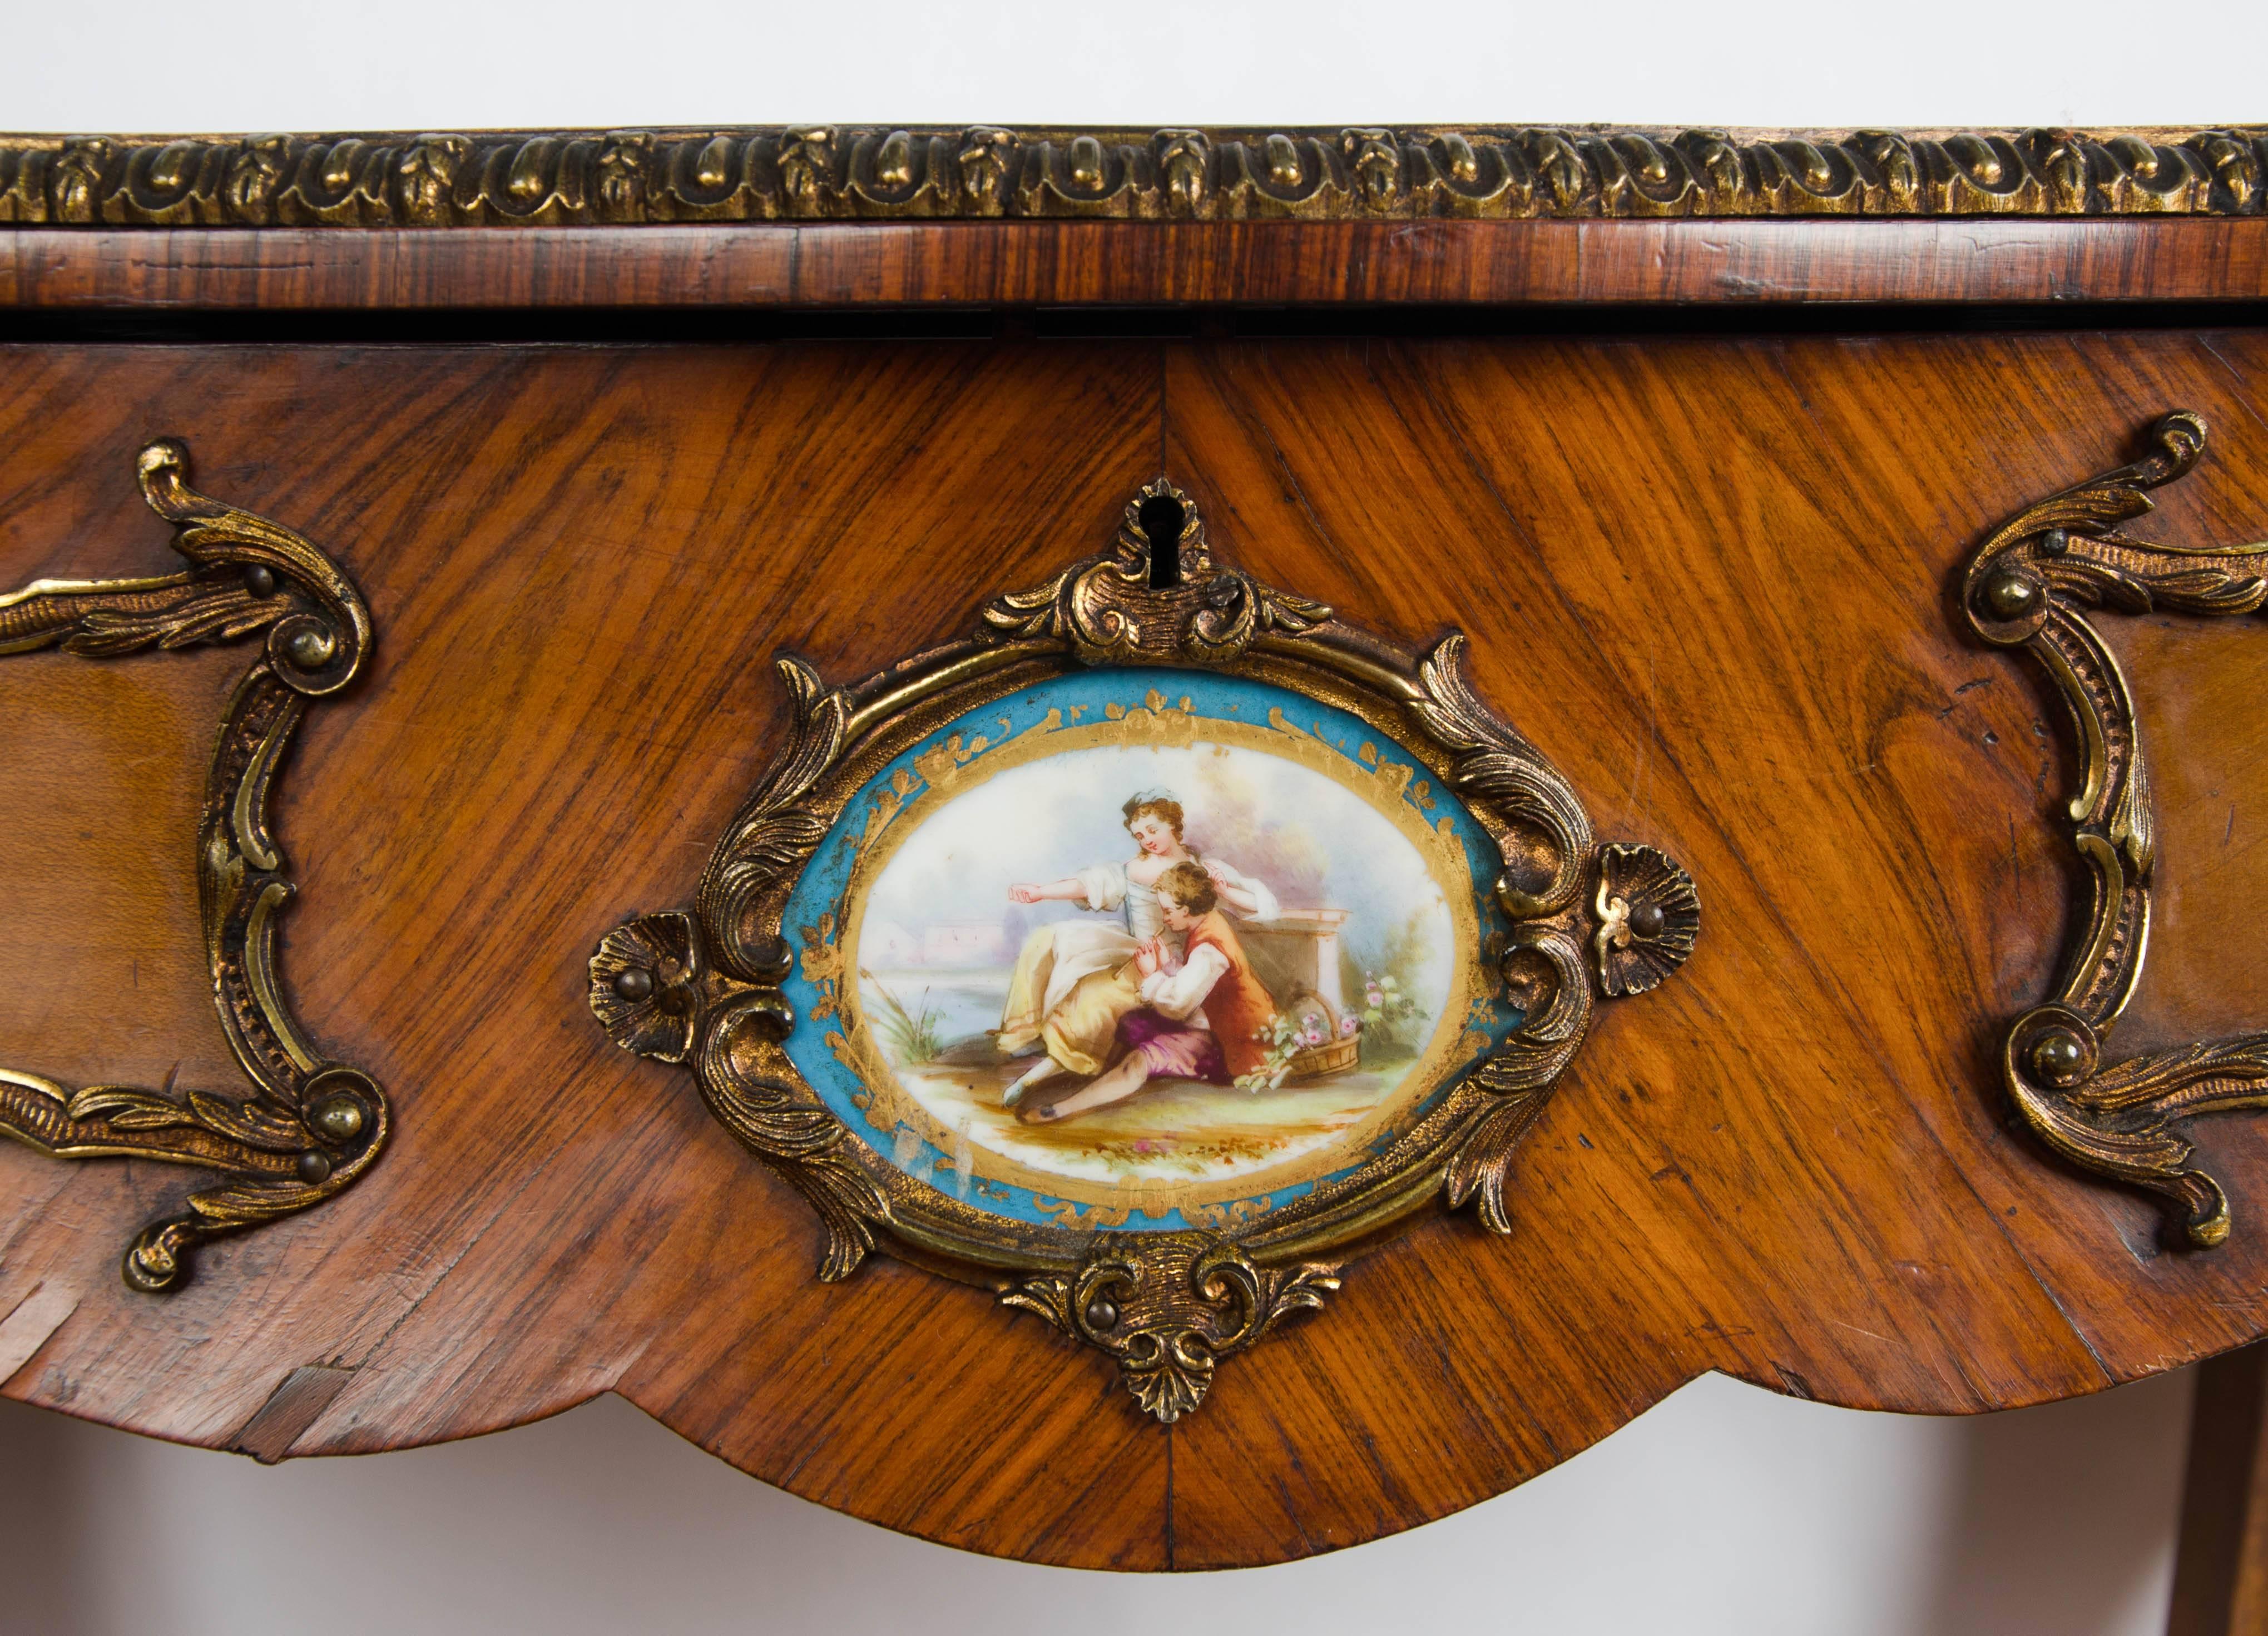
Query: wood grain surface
x=1769 y=263
x=1712 y=578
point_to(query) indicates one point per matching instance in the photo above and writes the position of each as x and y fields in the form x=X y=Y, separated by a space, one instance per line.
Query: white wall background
x=1726 y=1510
x=261 y=65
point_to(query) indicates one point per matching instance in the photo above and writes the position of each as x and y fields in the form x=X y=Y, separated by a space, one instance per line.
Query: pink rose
x=1347 y=1026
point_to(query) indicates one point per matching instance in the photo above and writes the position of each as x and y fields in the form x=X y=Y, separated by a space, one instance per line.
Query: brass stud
x=311 y=647
x=315 y=1169
x=1102 y=1313
x=1646 y=917
x=2011 y=595
x=634 y=984
x=339 y=1118
x=260 y=580
x=2059 y=1058
x=770 y=958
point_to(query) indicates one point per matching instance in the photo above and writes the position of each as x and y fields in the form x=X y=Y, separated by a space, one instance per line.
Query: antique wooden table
x=1736 y=460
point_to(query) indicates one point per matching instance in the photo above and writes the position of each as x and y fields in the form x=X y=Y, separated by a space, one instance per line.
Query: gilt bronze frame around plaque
x=707 y=987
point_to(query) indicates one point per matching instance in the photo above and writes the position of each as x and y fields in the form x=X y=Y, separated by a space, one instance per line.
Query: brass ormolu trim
x=704 y=987
x=826 y=172
x=310 y=1127
x=2025 y=589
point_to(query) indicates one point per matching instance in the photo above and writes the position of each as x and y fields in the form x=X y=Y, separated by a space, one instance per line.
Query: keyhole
x=1162 y=518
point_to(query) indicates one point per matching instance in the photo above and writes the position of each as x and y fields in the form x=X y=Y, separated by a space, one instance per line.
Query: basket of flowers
x=1306 y=1039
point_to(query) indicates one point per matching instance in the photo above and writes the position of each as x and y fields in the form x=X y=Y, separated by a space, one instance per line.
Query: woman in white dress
x=1075 y=979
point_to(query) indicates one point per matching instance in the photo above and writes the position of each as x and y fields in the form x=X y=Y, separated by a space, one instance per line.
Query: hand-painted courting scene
x=1105 y=953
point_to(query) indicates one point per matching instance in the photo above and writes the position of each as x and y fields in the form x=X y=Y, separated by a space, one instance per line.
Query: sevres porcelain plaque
x=1134 y=953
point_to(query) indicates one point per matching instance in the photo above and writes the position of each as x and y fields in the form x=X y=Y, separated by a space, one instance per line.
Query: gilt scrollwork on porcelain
x=826 y=172
x=311 y=1126
x=2030 y=586
x=1359 y=937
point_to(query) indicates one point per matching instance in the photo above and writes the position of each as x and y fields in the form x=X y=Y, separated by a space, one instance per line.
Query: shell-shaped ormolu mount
x=644 y=982
x=1649 y=913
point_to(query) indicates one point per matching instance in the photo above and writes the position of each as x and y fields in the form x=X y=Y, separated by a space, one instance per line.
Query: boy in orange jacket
x=1205 y=1015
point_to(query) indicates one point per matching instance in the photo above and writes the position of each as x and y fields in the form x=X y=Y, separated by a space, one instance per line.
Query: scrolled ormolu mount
x=311 y=1126
x=828 y=172
x=1151 y=648
x=2025 y=588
